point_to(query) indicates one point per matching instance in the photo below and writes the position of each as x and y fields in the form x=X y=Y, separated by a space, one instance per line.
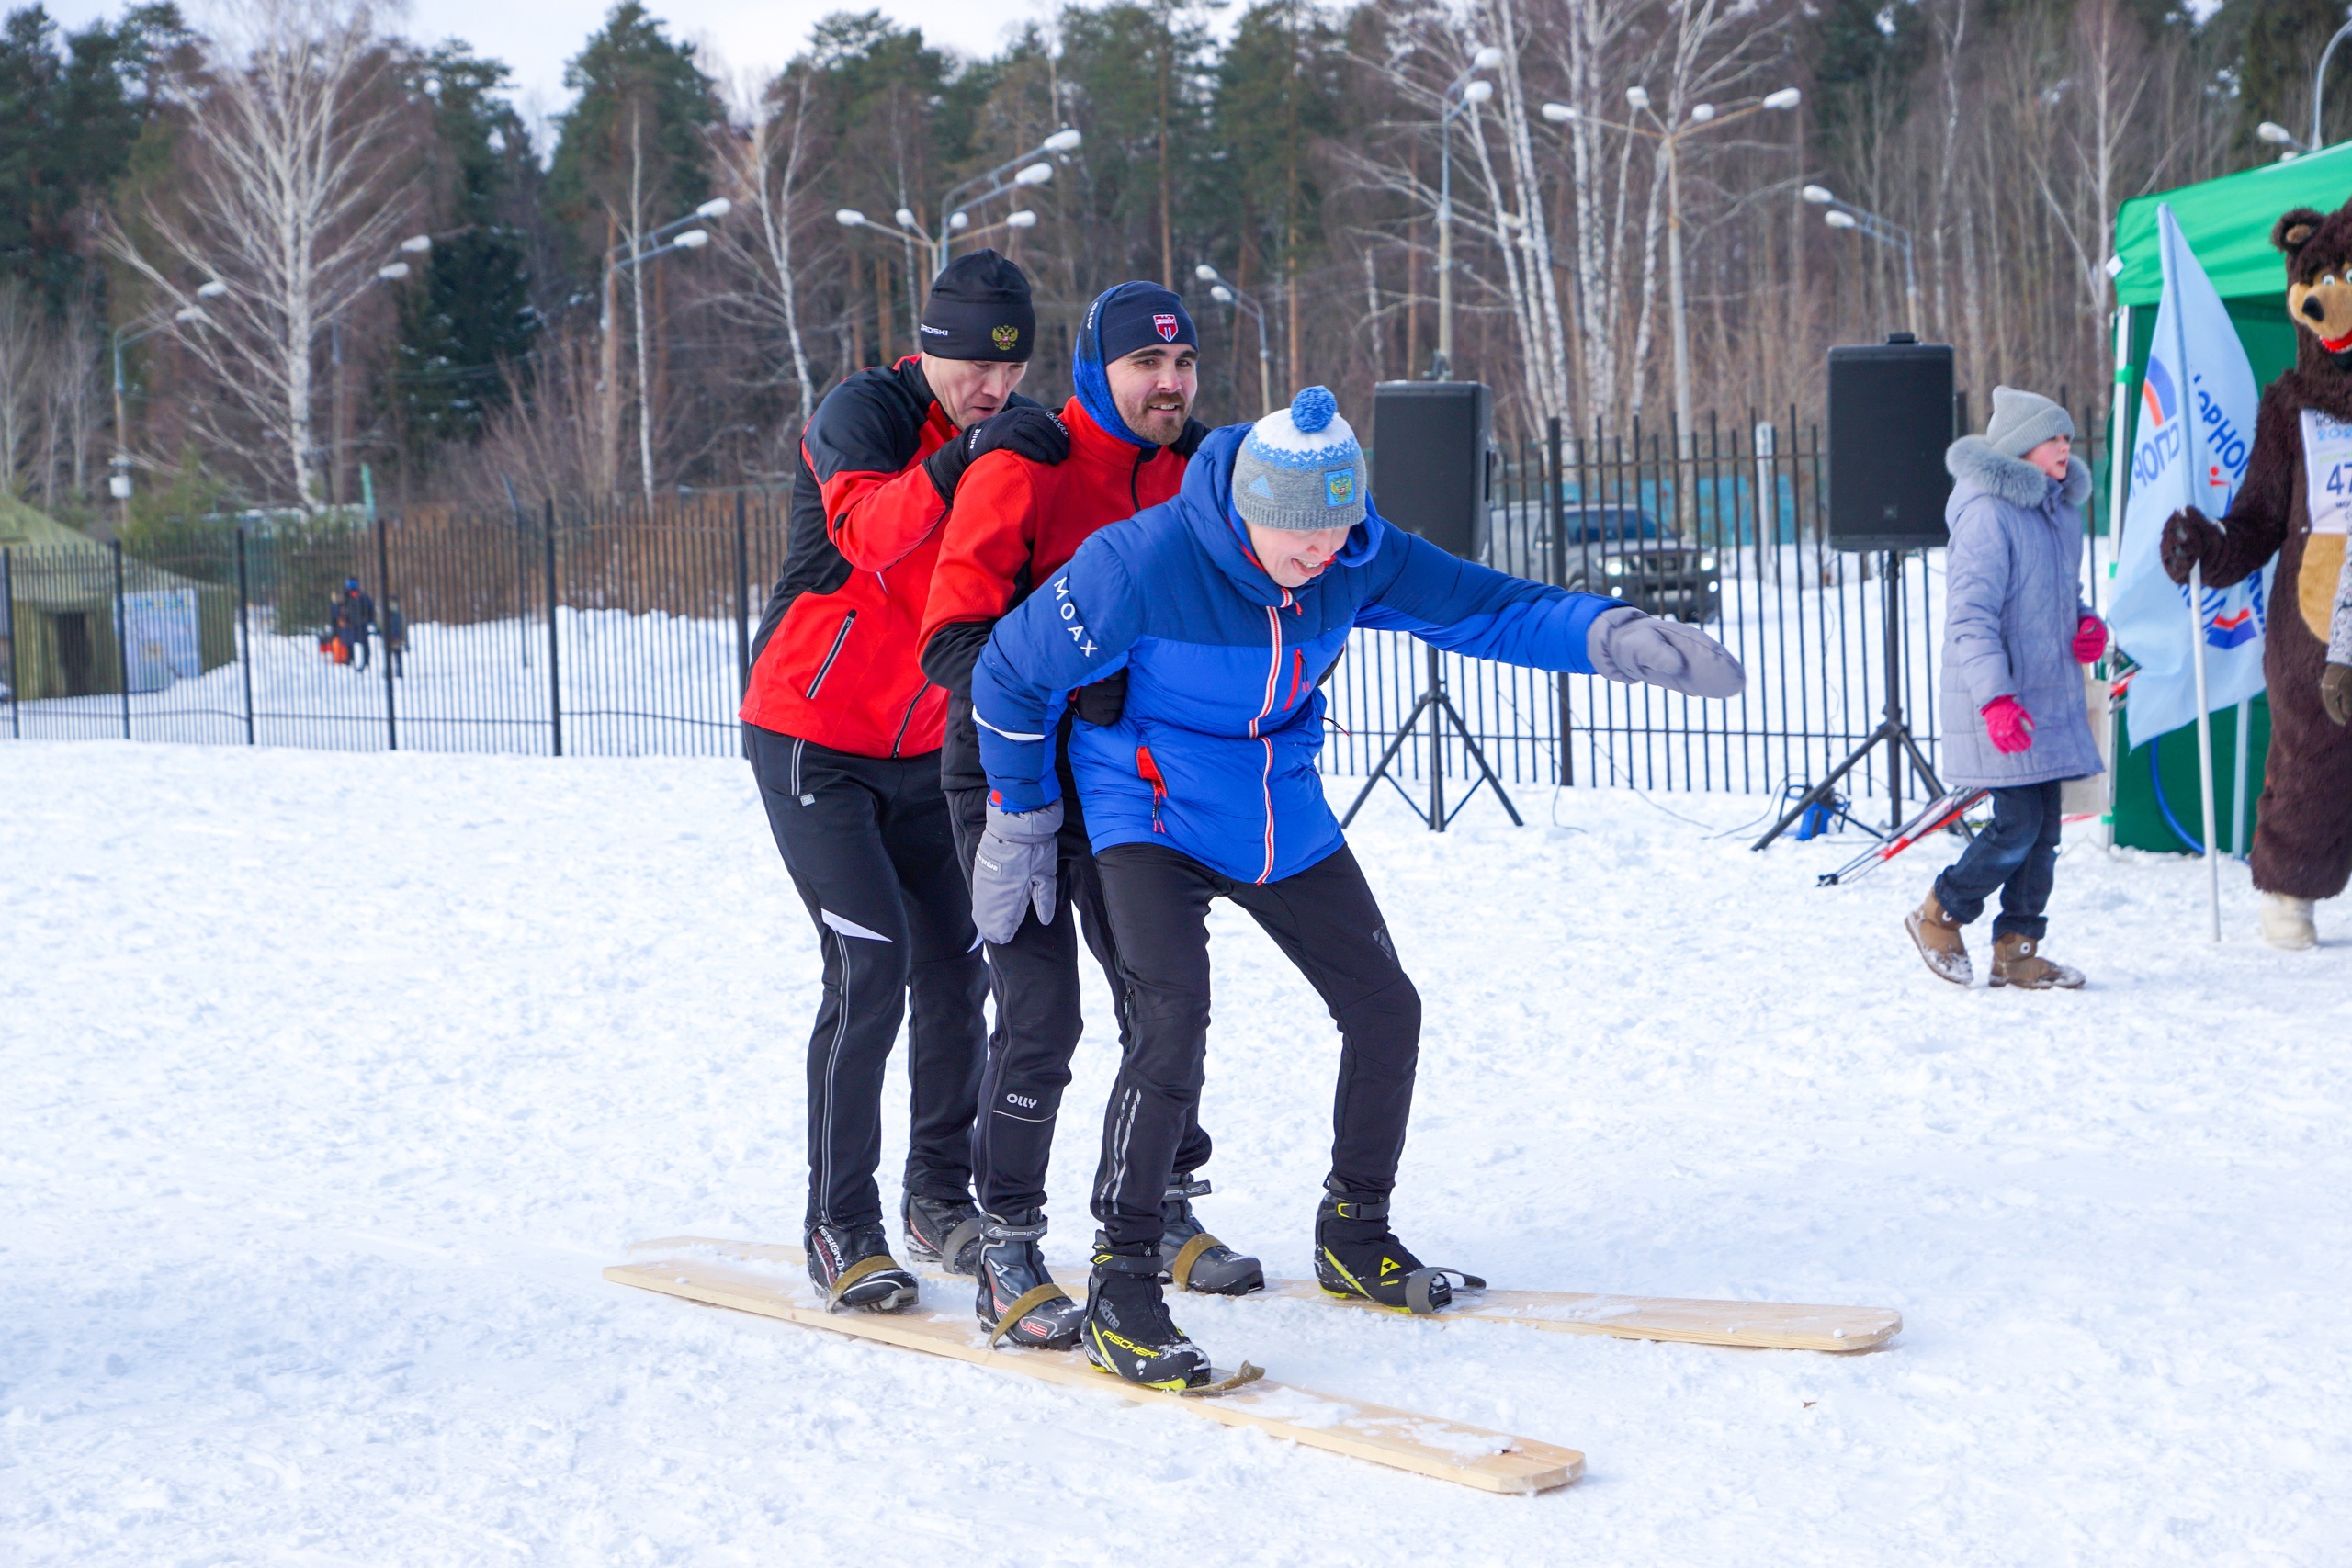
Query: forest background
x=311 y=244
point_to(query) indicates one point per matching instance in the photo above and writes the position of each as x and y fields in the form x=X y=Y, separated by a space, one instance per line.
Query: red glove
x=2009 y=724
x=2090 y=638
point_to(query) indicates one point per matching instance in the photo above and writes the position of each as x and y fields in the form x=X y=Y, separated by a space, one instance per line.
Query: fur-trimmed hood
x=1972 y=461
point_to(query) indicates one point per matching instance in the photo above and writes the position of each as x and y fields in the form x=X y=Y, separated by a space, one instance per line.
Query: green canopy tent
x=59 y=622
x=2227 y=223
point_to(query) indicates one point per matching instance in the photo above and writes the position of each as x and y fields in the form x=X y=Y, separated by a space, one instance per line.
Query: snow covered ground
x=328 y=1084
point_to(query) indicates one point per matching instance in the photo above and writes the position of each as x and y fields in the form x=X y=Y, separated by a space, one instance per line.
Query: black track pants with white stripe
x=1034 y=979
x=868 y=844
x=1326 y=922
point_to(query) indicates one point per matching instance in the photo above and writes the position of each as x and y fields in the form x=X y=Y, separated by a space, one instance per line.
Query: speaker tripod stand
x=1441 y=713
x=1892 y=730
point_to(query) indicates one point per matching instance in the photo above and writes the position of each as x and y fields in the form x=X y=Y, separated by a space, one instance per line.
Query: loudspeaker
x=1890 y=422
x=1429 y=460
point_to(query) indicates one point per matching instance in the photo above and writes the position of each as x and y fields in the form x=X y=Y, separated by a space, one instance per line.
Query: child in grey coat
x=2015 y=634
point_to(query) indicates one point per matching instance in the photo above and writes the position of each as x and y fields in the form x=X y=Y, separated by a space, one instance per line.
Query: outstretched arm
x=1075 y=629
x=2256 y=524
x=1464 y=607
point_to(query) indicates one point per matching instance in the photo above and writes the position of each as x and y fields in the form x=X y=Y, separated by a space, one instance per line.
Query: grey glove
x=1016 y=868
x=1626 y=645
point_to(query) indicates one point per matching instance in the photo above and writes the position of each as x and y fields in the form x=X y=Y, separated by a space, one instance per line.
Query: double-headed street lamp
x=1461 y=96
x=1226 y=293
x=1886 y=231
x=955 y=213
x=1708 y=117
x=118 y=481
x=679 y=234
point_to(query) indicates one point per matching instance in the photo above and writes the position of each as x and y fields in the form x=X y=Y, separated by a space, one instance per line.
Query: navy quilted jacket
x=1215 y=754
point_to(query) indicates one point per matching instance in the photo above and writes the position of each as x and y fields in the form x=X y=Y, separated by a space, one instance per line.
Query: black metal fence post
x=1556 y=504
x=121 y=636
x=555 y=681
x=742 y=603
x=383 y=613
x=245 y=634
x=8 y=630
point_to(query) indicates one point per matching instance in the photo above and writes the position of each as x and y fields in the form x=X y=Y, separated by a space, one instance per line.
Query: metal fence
x=627 y=631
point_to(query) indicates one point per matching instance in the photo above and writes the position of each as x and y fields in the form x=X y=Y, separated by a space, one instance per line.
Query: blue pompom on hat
x=1300 y=468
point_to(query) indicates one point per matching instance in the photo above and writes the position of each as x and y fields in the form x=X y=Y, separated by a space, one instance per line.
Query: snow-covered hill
x=329 y=1082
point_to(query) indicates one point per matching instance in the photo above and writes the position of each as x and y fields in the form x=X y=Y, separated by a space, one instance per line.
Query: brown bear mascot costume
x=2303 y=449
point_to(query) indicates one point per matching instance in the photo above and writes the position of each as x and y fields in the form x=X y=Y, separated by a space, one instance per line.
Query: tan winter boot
x=2287 y=922
x=1939 y=942
x=2017 y=963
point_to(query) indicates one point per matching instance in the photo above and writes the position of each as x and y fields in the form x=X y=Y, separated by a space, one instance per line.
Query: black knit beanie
x=979 y=308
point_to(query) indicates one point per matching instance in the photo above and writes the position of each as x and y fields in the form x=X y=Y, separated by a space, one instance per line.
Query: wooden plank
x=1448 y=1450
x=1761 y=1326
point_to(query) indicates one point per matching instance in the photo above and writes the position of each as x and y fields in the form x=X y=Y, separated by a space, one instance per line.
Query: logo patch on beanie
x=1260 y=487
x=1339 y=487
x=1165 y=325
x=1004 y=337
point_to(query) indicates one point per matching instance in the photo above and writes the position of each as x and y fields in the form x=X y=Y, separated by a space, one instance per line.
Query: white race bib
x=2327 y=471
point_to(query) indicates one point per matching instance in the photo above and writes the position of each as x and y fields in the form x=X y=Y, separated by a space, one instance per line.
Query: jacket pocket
x=832 y=653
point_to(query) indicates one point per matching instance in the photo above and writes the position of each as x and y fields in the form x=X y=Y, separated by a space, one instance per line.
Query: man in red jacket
x=843 y=731
x=1017 y=520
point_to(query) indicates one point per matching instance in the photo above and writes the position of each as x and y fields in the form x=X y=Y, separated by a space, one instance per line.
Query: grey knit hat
x=2023 y=421
x=1300 y=468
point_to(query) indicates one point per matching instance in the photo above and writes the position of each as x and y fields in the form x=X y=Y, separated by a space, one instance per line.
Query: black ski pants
x=868 y=844
x=1034 y=979
x=2016 y=856
x=1326 y=922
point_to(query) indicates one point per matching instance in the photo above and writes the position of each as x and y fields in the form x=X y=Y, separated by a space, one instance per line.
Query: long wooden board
x=1760 y=1325
x=1426 y=1445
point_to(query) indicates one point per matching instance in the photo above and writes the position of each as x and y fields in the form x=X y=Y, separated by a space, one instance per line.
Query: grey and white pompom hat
x=1300 y=468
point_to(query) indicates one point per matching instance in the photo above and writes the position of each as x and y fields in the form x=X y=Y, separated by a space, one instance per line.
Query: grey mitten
x=1015 y=869
x=2335 y=692
x=1626 y=645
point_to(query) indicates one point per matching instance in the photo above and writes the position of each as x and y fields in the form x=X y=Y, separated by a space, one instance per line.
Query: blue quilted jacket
x=1215 y=754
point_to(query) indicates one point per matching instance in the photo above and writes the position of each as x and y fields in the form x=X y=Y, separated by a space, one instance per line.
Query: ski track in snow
x=332 y=1081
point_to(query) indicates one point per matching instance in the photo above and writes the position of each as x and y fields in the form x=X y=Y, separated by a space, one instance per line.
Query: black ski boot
x=1194 y=1259
x=1127 y=1331
x=1019 y=1299
x=853 y=1266
x=1359 y=1258
x=946 y=1231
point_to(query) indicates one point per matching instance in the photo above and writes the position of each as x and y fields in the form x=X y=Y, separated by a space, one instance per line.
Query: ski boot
x=1126 y=1330
x=853 y=1266
x=1019 y=1299
x=1358 y=1258
x=946 y=1231
x=1194 y=1259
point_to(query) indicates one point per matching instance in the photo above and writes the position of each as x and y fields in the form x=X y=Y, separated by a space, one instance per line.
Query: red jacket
x=1016 y=522
x=835 y=659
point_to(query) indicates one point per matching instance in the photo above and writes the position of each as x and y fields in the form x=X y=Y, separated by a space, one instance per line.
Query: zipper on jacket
x=1135 y=495
x=908 y=719
x=1147 y=770
x=833 y=652
x=1266 y=773
x=1297 y=675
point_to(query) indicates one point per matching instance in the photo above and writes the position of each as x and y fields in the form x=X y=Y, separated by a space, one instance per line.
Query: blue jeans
x=2017 y=855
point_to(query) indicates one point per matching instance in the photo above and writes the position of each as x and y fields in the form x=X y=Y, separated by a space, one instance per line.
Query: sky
x=535 y=37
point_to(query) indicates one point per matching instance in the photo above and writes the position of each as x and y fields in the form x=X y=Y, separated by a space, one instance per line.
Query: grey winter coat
x=2013 y=602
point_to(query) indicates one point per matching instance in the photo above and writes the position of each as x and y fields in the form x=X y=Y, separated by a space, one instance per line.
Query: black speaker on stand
x=1892 y=415
x=1429 y=477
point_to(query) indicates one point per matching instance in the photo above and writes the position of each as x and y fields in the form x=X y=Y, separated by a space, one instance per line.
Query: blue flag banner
x=2196 y=433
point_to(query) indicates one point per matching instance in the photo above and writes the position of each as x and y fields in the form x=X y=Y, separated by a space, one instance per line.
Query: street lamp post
x=2318 y=86
x=1886 y=231
x=1226 y=293
x=678 y=234
x=1462 y=95
x=119 y=481
x=1669 y=141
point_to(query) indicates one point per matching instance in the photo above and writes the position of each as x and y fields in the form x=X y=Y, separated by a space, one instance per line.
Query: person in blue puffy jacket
x=1225 y=607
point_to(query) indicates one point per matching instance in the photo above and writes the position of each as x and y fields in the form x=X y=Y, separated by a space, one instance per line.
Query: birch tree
x=292 y=193
x=762 y=161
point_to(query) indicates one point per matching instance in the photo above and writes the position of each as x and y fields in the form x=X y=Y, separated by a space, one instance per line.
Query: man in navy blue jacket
x=1226 y=606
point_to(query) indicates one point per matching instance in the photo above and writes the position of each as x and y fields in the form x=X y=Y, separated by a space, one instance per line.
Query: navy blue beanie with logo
x=1121 y=320
x=979 y=308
